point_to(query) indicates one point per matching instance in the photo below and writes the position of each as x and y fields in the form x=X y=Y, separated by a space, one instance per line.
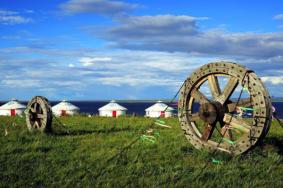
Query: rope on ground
x=161 y=123
x=8 y=128
x=143 y=137
x=278 y=120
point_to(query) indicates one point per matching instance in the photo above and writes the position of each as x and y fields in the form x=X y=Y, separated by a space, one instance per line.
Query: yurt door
x=63 y=113
x=162 y=114
x=114 y=113
x=13 y=112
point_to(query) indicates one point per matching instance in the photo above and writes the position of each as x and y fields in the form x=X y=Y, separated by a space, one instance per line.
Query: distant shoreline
x=277 y=100
x=122 y=100
x=127 y=101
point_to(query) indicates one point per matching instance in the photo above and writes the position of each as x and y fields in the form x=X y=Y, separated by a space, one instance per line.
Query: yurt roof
x=13 y=104
x=112 y=106
x=159 y=106
x=64 y=105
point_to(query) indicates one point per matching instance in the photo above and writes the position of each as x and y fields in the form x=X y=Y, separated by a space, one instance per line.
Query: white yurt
x=64 y=108
x=12 y=108
x=158 y=110
x=112 y=109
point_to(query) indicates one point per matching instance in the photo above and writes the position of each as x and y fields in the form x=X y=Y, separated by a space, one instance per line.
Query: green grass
x=76 y=156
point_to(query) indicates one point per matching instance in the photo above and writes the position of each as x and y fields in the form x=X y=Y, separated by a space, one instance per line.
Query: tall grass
x=76 y=154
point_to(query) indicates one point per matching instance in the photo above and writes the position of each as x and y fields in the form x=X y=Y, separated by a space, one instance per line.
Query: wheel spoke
x=199 y=97
x=228 y=90
x=194 y=117
x=214 y=86
x=208 y=130
x=35 y=108
x=242 y=102
x=36 y=126
x=32 y=109
x=39 y=123
x=237 y=123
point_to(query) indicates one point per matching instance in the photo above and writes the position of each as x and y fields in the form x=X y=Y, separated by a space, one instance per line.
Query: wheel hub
x=212 y=112
x=208 y=112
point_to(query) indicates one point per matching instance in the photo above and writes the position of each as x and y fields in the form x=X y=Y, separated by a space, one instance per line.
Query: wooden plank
x=237 y=123
x=228 y=90
x=214 y=86
x=199 y=97
x=208 y=130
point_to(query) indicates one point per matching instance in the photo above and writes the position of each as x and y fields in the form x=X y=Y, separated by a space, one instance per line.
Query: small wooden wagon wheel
x=224 y=106
x=39 y=114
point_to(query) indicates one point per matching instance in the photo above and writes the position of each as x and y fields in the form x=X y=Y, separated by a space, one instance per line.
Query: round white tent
x=64 y=108
x=12 y=108
x=112 y=109
x=158 y=110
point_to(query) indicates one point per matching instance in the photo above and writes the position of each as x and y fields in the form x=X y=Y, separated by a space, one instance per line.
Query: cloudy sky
x=102 y=49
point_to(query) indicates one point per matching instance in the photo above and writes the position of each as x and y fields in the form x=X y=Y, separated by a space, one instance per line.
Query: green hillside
x=79 y=155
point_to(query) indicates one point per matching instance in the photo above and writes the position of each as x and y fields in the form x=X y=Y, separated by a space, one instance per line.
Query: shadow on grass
x=85 y=132
x=274 y=144
x=268 y=145
x=205 y=155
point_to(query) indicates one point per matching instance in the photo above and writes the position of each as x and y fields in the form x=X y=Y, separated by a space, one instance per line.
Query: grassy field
x=78 y=156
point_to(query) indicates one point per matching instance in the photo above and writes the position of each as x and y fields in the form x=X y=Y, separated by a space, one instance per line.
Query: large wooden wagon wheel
x=224 y=106
x=39 y=114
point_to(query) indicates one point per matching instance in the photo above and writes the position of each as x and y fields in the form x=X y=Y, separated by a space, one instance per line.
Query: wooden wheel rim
x=238 y=75
x=39 y=114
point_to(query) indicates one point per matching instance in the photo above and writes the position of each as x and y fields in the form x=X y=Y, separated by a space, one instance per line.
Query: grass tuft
x=76 y=154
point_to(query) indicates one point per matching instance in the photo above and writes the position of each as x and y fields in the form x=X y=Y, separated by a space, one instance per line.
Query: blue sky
x=102 y=49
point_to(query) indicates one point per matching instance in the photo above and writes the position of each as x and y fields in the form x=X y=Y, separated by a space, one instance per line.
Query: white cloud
x=278 y=17
x=275 y=80
x=8 y=12
x=75 y=84
x=10 y=37
x=140 y=68
x=134 y=81
x=29 y=11
x=11 y=20
x=119 y=69
x=89 y=61
x=8 y=17
x=20 y=83
x=125 y=67
x=180 y=33
x=104 y=7
x=45 y=51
